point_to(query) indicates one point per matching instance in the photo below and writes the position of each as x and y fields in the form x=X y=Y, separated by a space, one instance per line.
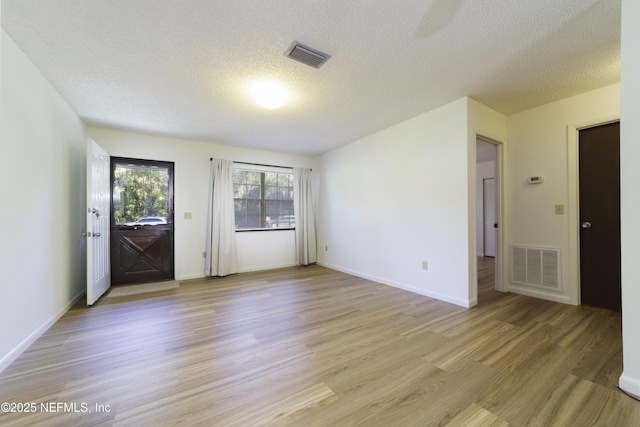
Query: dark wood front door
x=142 y=243
x=600 y=216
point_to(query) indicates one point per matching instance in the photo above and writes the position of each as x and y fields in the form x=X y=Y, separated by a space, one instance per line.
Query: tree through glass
x=140 y=194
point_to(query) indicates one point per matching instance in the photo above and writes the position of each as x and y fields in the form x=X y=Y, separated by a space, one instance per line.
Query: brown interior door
x=599 y=175
x=142 y=230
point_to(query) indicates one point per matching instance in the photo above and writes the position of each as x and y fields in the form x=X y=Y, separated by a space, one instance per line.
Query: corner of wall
x=630 y=199
x=488 y=123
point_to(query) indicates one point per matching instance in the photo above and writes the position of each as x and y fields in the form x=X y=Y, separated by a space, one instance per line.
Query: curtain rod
x=260 y=164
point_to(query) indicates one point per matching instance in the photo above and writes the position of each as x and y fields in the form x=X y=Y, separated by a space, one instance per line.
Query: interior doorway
x=488 y=213
x=142 y=221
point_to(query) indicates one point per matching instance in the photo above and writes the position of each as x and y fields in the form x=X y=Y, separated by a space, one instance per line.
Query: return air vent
x=536 y=267
x=306 y=55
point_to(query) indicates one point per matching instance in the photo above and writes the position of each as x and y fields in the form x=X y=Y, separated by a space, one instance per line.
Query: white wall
x=405 y=195
x=396 y=198
x=630 y=196
x=43 y=197
x=542 y=141
x=256 y=250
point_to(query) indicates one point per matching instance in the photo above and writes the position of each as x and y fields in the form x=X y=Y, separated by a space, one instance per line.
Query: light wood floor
x=315 y=347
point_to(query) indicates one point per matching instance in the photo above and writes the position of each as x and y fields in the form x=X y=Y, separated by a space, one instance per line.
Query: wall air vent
x=306 y=55
x=536 y=267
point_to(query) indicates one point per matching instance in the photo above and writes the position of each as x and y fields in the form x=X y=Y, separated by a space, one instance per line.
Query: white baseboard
x=629 y=385
x=265 y=267
x=241 y=270
x=10 y=357
x=419 y=291
x=190 y=277
x=549 y=296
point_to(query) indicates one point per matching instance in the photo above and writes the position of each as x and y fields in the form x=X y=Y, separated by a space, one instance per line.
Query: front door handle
x=97 y=234
x=585 y=224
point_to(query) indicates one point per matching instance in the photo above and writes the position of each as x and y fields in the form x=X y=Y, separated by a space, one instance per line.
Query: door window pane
x=140 y=194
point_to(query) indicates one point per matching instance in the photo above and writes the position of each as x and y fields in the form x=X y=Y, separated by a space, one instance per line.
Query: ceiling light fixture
x=269 y=95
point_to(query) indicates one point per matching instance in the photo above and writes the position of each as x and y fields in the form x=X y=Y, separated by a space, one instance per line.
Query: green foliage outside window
x=139 y=191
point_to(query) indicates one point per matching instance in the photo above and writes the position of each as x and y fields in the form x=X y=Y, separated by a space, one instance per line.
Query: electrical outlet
x=188 y=215
x=425 y=265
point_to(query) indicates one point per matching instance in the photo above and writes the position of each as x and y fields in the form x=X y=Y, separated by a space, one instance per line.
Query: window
x=263 y=199
x=142 y=192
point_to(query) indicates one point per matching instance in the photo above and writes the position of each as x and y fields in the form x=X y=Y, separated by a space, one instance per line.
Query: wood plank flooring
x=315 y=347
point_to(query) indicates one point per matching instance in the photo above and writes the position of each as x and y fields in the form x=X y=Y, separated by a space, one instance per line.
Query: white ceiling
x=182 y=68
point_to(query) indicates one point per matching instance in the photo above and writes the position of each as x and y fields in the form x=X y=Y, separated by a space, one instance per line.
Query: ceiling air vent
x=306 y=55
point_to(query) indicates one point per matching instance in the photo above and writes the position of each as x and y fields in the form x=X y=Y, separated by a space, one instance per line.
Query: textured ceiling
x=183 y=68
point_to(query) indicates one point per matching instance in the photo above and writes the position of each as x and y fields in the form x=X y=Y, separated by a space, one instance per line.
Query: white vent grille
x=536 y=267
x=306 y=55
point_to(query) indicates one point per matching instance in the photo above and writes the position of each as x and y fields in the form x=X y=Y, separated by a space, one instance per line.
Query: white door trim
x=501 y=253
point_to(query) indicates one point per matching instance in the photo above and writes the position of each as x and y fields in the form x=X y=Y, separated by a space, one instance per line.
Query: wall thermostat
x=535 y=179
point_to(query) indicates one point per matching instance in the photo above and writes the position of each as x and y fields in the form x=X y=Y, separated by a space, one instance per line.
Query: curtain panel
x=305 y=231
x=221 y=254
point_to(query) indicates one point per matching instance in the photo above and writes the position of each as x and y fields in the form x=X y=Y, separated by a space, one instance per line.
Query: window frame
x=263 y=169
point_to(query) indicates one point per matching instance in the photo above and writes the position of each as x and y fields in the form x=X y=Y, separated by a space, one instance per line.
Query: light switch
x=559 y=209
x=187 y=215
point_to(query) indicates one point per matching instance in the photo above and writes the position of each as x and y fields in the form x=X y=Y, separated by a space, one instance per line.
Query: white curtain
x=306 y=252
x=221 y=258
